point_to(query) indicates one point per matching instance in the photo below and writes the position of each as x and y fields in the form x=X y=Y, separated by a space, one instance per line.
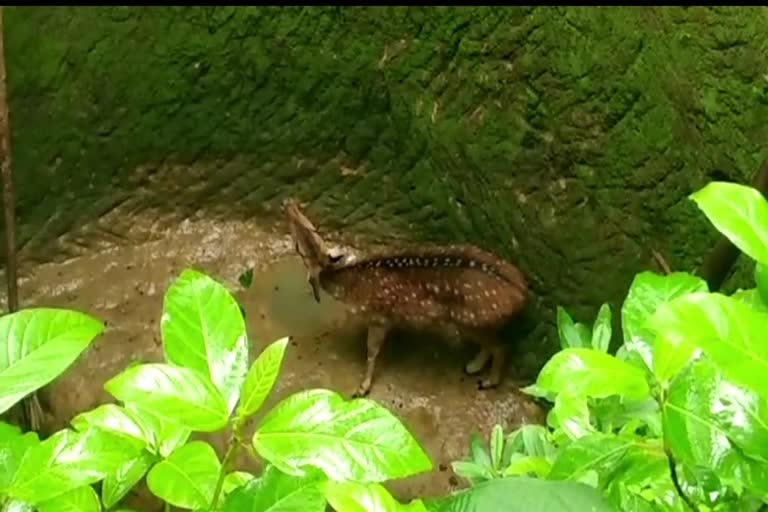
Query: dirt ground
x=419 y=378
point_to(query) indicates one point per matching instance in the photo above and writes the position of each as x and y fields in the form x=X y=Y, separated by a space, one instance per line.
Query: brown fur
x=460 y=287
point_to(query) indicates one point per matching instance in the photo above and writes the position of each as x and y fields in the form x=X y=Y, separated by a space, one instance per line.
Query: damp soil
x=418 y=377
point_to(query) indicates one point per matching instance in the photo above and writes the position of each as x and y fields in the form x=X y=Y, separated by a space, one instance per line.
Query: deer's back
x=462 y=285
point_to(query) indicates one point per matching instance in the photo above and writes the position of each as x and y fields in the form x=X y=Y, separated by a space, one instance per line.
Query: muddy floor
x=419 y=378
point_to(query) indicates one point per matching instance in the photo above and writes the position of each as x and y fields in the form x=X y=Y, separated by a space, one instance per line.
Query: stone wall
x=566 y=139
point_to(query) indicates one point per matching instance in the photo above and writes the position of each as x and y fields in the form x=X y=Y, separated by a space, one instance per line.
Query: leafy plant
x=678 y=418
x=320 y=448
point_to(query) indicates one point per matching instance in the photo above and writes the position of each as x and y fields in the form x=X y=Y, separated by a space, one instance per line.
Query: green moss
x=566 y=139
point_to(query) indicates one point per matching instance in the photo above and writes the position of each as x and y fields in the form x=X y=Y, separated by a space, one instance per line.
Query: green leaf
x=638 y=353
x=234 y=480
x=116 y=419
x=590 y=373
x=524 y=465
x=473 y=472
x=751 y=298
x=166 y=435
x=356 y=497
x=82 y=499
x=618 y=414
x=478 y=451
x=522 y=494
x=497 y=446
x=68 y=460
x=348 y=440
x=571 y=415
x=704 y=416
x=570 y=336
x=13 y=446
x=647 y=292
x=172 y=393
x=186 y=479
x=601 y=333
x=731 y=333
x=275 y=491
x=530 y=440
x=261 y=378
x=596 y=452
x=40 y=343
x=203 y=330
x=761 y=282
x=18 y=506
x=118 y=483
x=739 y=212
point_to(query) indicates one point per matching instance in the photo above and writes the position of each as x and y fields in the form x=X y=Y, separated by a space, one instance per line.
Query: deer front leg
x=376 y=335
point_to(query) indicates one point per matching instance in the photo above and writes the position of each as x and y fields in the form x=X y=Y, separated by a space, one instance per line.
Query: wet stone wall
x=564 y=139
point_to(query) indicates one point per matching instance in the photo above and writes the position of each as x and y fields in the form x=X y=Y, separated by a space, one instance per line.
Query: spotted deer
x=459 y=287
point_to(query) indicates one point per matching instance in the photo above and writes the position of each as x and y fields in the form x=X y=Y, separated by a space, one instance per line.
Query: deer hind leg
x=377 y=333
x=492 y=349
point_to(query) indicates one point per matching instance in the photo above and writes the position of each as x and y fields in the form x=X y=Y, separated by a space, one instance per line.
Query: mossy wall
x=566 y=139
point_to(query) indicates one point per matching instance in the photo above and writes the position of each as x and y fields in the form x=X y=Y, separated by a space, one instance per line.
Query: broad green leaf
x=172 y=393
x=751 y=298
x=761 y=282
x=601 y=332
x=68 y=460
x=116 y=419
x=571 y=415
x=601 y=453
x=730 y=332
x=570 y=336
x=701 y=414
x=82 y=499
x=203 y=330
x=186 y=479
x=275 y=491
x=166 y=435
x=13 y=446
x=40 y=343
x=356 y=497
x=261 y=378
x=590 y=373
x=523 y=494
x=234 y=480
x=642 y=477
x=647 y=292
x=348 y=440
x=18 y=506
x=739 y=212
x=118 y=483
x=637 y=352
x=613 y=413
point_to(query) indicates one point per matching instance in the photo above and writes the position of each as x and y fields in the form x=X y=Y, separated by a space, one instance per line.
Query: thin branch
x=31 y=414
x=661 y=261
x=9 y=199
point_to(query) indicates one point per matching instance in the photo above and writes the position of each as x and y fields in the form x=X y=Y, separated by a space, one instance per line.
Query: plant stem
x=676 y=482
x=232 y=449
